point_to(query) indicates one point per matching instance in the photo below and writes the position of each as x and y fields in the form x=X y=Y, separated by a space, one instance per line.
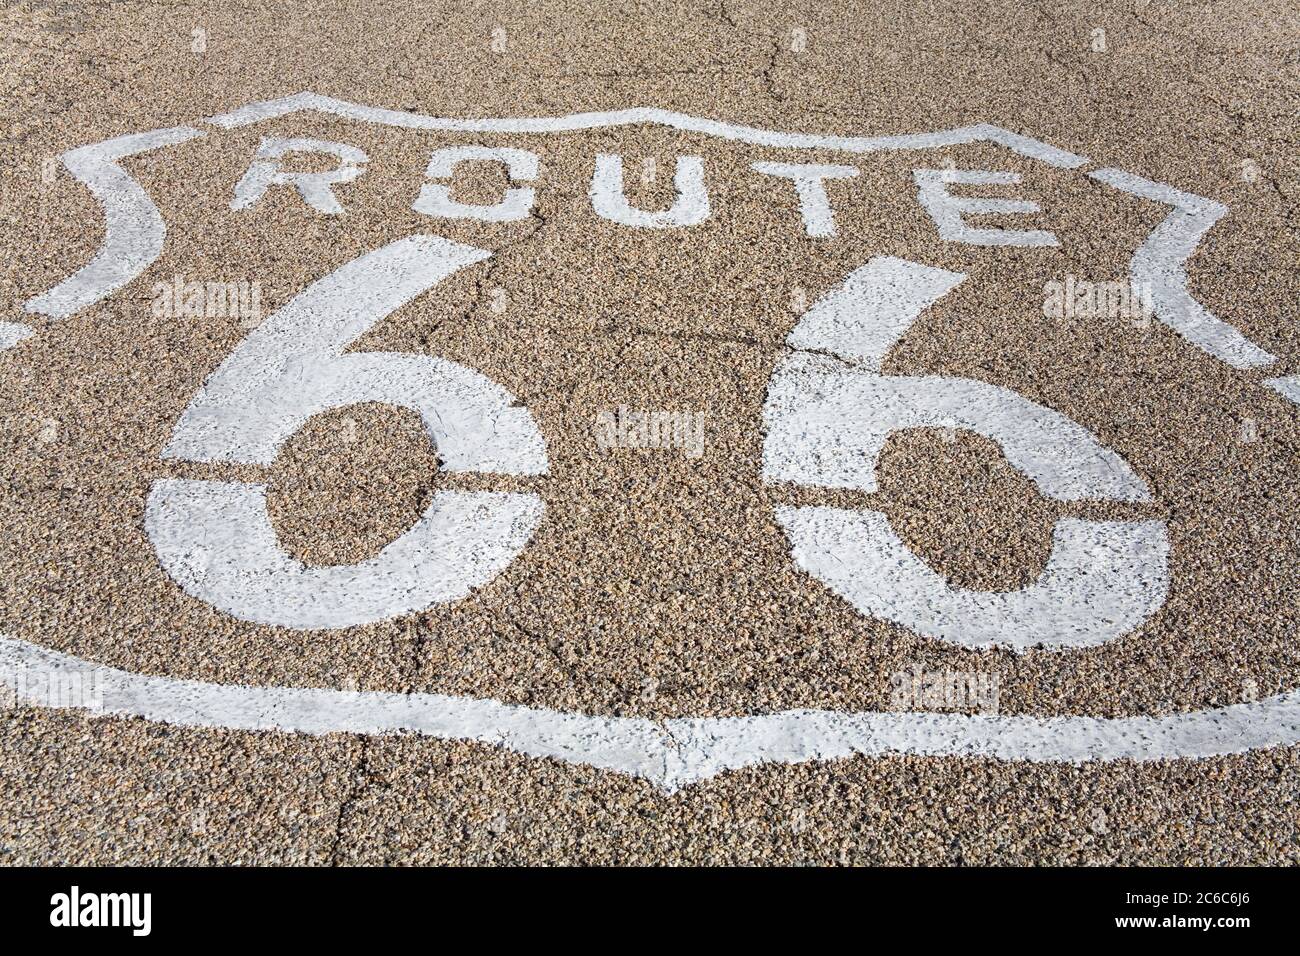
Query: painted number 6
x=215 y=538
x=828 y=413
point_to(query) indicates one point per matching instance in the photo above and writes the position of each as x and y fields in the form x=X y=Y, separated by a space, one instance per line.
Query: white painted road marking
x=435 y=197
x=215 y=539
x=1102 y=580
x=11 y=333
x=1160 y=264
x=978 y=133
x=828 y=417
x=862 y=318
x=265 y=172
x=683 y=750
x=690 y=208
x=1288 y=387
x=809 y=185
x=673 y=753
x=949 y=211
x=293 y=366
x=827 y=422
x=133 y=227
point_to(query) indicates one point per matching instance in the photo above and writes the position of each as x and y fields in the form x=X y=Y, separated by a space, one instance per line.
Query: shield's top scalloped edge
x=135 y=231
x=980 y=132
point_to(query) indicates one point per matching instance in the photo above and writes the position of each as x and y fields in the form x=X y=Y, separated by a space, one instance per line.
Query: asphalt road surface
x=650 y=433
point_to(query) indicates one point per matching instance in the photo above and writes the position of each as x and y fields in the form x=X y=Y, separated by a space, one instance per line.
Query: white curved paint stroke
x=573 y=122
x=827 y=423
x=515 y=206
x=1103 y=579
x=828 y=413
x=690 y=208
x=681 y=751
x=671 y=754
x=315 y=188
x=133 y=227
x=215 y=539
x=1160 y=264
x=296 y=365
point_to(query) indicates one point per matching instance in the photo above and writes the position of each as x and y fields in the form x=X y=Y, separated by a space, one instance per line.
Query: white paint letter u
x=690 y=208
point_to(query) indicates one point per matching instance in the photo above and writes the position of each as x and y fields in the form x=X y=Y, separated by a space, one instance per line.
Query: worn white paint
x=294 y=366
x=864 y=316
x=265 y=171
x=827 y=423
x=1160 y=264
x=949 y=211
x=1102 y=580
x=1288 y=387
x=435 y=198
x=133 y=228
x=11 y=333
x=679 y=751
x=690 y=208
x=673 y=753
x=216 y=541
x=809 y=181
x=828 y=414
x=978 y=133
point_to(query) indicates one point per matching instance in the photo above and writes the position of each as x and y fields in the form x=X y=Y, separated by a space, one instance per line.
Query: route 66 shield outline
x=680 y=751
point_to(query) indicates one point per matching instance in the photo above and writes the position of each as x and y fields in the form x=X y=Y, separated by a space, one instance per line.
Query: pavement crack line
x=356 y=787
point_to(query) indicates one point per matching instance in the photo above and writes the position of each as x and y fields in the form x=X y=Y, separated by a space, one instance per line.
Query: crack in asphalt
x=358 y=786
